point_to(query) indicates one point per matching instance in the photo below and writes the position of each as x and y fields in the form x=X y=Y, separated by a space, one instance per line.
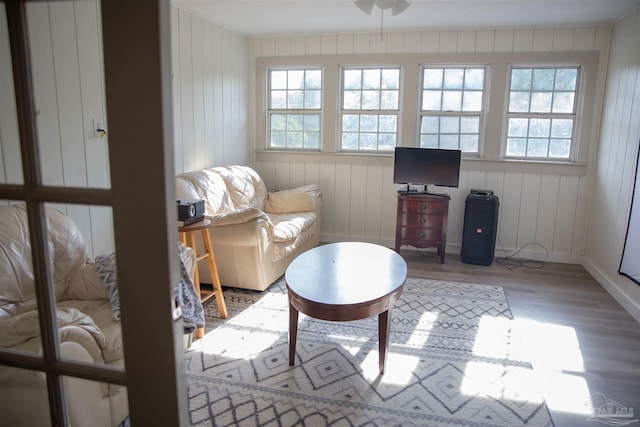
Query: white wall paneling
x=612 y=187
x=543 y=208
x=210 y=75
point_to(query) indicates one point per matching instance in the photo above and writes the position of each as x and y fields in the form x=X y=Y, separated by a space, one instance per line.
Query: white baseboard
x=456 y=248
x=632 y=307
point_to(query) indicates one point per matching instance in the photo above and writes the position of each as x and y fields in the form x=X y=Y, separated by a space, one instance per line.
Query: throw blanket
x=192 y=312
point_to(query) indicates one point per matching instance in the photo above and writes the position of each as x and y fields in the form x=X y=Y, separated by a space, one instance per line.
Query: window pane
x=295 y=99
x=449 y=124
x=313 y=79
x=561 y=128
x=429 y=124
x=352 y=100
x=294 y=121
x=452 y=100
x=537 y=148
x=543 y=78
x=474 y=79
x=519 y=102
x=469 y=124
x=429 y=141
x=432 y=78
x=472 y=101
x=312 y=122
x=312 y=140
x=431 y=100
x=516 y=147
x=387 y=141
x=278 y=139
x=368 y=123
x=368 y=141
x=278 y=99
x=469 y=143
x=350 y=123
x=521 y=79
x=449 y=142
x=278 y=80
x=566 y=79
x=560 y=148
x=453 y=78
x=313 y=99
x=350 y=141
x=388 y=123
x=294 y=139
x=278 y=121
x=563 y=102
x=370 y=100
x=539 y=127
x=352 y=79
x=371 y=79
x=391 y=79
x=518 y=127
x=389 y=100
x=295 y=79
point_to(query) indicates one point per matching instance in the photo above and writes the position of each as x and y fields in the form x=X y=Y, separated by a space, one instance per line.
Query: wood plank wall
x=210 y=73
x=544 y=215
x=617 y=153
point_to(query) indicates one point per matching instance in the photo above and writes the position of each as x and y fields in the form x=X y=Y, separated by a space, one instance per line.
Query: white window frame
x=575 y=116
x=454 y=113
x=293 y=111
x=342 y=112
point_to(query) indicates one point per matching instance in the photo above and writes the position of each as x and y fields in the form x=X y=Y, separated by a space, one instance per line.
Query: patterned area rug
x=450 y=361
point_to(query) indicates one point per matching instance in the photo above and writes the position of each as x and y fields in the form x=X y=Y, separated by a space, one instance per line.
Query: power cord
x=511 y=264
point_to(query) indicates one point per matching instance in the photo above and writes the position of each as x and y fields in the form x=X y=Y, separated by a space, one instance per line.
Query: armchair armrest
x=301 y=199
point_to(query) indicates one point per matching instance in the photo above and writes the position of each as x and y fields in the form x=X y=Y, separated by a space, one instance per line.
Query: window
x=542 y=112
x=370 y=109
x=452 y=108
x=295 y=107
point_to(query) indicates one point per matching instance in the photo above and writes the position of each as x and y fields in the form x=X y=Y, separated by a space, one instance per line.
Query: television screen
x=426 y=166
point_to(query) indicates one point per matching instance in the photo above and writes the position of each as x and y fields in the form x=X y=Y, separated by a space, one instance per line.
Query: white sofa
x=255 y=233
x=87 y=330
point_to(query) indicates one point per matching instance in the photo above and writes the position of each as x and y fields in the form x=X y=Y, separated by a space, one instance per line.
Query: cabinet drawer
x=413 y=236
x=420 y=220
x=422 y=206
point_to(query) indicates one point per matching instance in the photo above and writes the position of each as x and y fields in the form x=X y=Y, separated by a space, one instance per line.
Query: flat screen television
x=426 y=166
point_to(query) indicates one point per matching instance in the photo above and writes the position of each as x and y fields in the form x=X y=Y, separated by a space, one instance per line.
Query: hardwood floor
x=579 y=340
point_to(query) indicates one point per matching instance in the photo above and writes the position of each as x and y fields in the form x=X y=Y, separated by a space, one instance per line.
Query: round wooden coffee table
x=345 y=281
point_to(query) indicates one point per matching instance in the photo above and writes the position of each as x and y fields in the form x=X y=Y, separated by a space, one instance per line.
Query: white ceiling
x=289 y=17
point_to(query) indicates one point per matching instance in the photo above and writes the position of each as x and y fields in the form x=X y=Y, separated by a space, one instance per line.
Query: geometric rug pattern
x=451 y=360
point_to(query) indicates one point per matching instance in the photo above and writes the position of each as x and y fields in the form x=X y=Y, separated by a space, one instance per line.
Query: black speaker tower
x=480 y=227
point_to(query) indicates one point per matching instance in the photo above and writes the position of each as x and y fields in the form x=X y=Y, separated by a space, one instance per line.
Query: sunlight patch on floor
x=502 y=382
x=398 y=369
x=420 y=334
x=227 y=342
x=566 y=392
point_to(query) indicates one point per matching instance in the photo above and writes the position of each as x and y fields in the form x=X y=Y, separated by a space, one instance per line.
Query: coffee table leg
x=293 y=333
x=384 y=321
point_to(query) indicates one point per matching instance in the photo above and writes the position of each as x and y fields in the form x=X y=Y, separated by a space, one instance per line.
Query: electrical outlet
x=98 y=128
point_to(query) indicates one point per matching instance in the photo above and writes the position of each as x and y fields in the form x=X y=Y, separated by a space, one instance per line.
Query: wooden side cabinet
x=422 y=221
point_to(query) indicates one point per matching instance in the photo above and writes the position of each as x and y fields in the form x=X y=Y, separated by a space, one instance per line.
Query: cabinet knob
x=421 y=234
x=422 y=220
x=424 y=207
